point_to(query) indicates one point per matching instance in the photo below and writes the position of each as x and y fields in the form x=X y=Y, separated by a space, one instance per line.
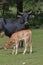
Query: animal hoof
x=15 y=53
x=12 y=53
x=23 y=53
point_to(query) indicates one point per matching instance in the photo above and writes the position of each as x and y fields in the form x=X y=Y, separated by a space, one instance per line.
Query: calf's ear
x=5 y=48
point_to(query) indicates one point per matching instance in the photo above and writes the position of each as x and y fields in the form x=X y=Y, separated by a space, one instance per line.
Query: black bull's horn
x=21 y=13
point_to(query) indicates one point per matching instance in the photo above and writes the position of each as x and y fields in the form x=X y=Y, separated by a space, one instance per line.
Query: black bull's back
x=11 y=26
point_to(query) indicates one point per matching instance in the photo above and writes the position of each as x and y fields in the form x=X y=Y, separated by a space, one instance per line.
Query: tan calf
x=24 y=35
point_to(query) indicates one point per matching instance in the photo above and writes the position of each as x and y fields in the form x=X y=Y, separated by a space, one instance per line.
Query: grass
x=36 y=58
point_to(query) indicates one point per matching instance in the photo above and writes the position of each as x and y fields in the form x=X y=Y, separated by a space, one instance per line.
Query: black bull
x=10 y=26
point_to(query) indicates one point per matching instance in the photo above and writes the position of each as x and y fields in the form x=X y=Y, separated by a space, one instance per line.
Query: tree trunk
x=19 y=6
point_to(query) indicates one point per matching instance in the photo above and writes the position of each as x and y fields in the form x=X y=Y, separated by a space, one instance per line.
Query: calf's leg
x=16 y=49
x=26 y=45
x=13 y=50
x=30 y=43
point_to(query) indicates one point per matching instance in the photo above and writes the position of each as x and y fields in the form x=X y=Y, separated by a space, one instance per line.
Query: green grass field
x=36 y=58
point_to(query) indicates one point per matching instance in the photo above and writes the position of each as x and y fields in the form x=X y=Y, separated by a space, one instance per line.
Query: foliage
x=37 y=12
x=36 y=21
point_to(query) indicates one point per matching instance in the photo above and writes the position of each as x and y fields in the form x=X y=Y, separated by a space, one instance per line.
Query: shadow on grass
x=21 y=52
x=1 y=48
x=9 y=51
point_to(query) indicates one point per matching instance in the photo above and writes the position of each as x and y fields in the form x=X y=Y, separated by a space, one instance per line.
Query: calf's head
x=7 y=44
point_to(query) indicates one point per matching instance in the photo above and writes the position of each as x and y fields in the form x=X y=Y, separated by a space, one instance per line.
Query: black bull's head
x=10 y=26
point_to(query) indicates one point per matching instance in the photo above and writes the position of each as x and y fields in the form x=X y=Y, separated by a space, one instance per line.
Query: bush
x=37 y=20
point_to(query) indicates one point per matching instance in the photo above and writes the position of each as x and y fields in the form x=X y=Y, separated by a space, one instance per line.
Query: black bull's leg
x=21 y=44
